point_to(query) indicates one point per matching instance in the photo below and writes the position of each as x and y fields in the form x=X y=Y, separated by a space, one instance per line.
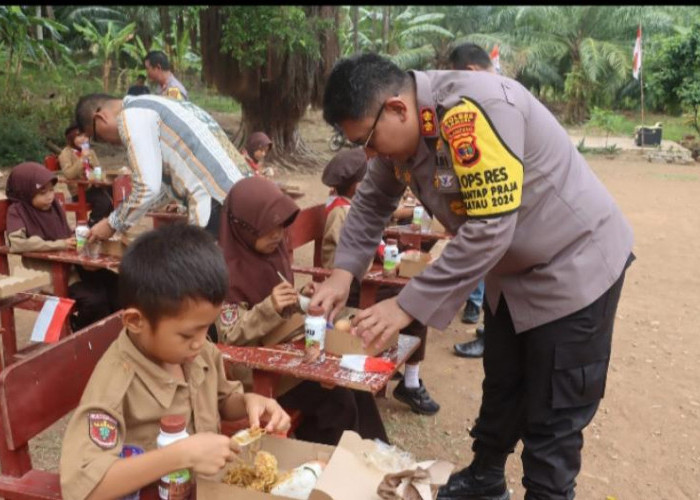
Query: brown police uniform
x=500 y=173
x=123 y=402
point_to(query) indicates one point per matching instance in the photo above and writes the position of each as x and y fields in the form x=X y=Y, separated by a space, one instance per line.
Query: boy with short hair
x=344 y=173
x=172 y=282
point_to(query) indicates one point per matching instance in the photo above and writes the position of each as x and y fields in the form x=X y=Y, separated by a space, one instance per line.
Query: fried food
x=261 y=476
x=343 y=325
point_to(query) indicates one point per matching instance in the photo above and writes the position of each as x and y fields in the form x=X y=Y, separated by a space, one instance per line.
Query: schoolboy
x=344 y=173
x=172 y=282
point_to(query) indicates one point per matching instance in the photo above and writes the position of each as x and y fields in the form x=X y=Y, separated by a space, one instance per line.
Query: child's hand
x=308 y=289
x=207 y=453
x=70 y=242
x=260 y=408
x=284 y=295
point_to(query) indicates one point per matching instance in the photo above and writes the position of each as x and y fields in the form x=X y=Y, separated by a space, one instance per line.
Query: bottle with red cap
x=178 y=484
x=315 y=334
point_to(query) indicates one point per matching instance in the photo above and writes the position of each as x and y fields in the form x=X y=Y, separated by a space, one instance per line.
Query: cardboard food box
x=23 y=280
x=347 y=476
x=413 y=263
x=113 y=246
x=339 y=342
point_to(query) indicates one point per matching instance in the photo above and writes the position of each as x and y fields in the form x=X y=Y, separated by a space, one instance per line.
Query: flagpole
x=641 y=80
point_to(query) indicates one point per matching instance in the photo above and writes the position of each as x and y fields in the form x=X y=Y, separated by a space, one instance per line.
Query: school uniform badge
x=489 y=174
x=103 y=429
x=229 y=314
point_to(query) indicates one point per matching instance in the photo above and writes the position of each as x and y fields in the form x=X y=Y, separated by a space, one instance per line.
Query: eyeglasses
x=94 y=138
x=365 y=143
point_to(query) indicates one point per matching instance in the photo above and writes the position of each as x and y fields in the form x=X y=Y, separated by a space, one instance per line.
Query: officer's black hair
x=168 y=265
x=157 y=58
x=358 y=84
x=86 y=107
x=469 y=53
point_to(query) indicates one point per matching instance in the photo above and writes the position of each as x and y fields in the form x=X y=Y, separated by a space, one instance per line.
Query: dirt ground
x=644 y=442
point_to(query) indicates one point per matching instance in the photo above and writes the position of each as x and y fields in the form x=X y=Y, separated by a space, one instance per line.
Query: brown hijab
x=253 y=207
x=257 y=140
x=25 y=181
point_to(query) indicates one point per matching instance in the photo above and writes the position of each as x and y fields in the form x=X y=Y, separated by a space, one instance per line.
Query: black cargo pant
x=544 y=386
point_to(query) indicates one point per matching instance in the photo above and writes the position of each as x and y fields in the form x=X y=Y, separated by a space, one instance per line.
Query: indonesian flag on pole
x=496 y=58
x=637 y=56
x=49 y=322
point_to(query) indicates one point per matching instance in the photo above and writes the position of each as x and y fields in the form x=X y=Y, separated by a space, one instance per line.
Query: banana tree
x=106 y=45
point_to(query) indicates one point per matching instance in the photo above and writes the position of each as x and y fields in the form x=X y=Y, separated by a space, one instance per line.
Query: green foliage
x=210 y=100
x=606 y=120
x=675 y=79
x=250 y=31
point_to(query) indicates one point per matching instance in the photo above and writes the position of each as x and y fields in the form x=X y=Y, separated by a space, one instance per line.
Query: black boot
x=473 y=349
x=479 y=481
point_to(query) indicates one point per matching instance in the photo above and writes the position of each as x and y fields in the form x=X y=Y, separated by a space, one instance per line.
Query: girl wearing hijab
x=36 y=222
x=256 y=149
x=71 y=161
x=255 y=215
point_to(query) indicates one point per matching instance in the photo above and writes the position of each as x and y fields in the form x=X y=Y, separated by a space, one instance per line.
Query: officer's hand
x=206 y=452
x=333 y=293
x=378 y=323
x=101 y=231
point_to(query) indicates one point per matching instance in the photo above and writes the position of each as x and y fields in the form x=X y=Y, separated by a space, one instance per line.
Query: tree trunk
x=194 y=37
x=106 y=69
x=386 y=13
x=164 y=12
x=277 y=104
x=355 y=29
x=39 y=29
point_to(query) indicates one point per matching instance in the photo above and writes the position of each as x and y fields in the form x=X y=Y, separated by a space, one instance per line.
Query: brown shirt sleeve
x=96 y=432
x=71 y=166
x=19 y=243
x=238 y=325
x=331 y=235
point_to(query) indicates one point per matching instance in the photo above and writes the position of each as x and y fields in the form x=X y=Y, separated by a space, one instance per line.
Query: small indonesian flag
x=47 y=327
x=362 y=363
x=637 y=55
x=496 y=58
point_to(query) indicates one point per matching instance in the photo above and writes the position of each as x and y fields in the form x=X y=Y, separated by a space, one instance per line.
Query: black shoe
x=418 y=399
x=397 y=376
x=471 y=313
x=473 y=484
x=473 y=349
x=480 y=331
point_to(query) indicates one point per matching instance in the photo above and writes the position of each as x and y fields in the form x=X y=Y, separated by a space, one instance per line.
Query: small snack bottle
x=85 y=148
x=81 y=235
x=97 y=173
x=315 y=334
x=417 y=221
x=178 y=484
x=391 y=256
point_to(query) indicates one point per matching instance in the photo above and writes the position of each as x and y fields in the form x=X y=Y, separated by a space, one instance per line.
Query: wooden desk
x=111 y=179
x=62 y=260
x=368 y=286
x=413 y=238
x=166 y=218
x=270 y=363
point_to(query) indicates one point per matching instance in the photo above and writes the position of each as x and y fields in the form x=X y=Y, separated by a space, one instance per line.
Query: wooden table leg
x=60 y=272
x=264 y=382
x=9 y=336
x=81 y=213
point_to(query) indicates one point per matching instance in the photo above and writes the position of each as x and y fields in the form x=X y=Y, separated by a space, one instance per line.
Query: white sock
x=410 y=376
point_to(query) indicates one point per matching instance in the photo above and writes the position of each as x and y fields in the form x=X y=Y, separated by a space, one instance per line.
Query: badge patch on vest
x=103 y=429
x=229 y=314
x=490 y=175
x=428 y=123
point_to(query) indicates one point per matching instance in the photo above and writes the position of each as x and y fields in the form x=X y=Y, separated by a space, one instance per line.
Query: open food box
x=353 y=470
x=413 y=262
x=337 y=341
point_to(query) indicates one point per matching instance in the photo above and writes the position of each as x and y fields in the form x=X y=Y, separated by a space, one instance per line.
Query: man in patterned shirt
x=176 y=151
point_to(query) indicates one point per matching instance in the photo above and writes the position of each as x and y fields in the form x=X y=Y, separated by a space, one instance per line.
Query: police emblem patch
x=428 y=122
x=446 y=180
x=103 y=429
x=229 y=314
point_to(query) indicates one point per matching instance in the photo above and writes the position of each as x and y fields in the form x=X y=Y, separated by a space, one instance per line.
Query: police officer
x=493 y=165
